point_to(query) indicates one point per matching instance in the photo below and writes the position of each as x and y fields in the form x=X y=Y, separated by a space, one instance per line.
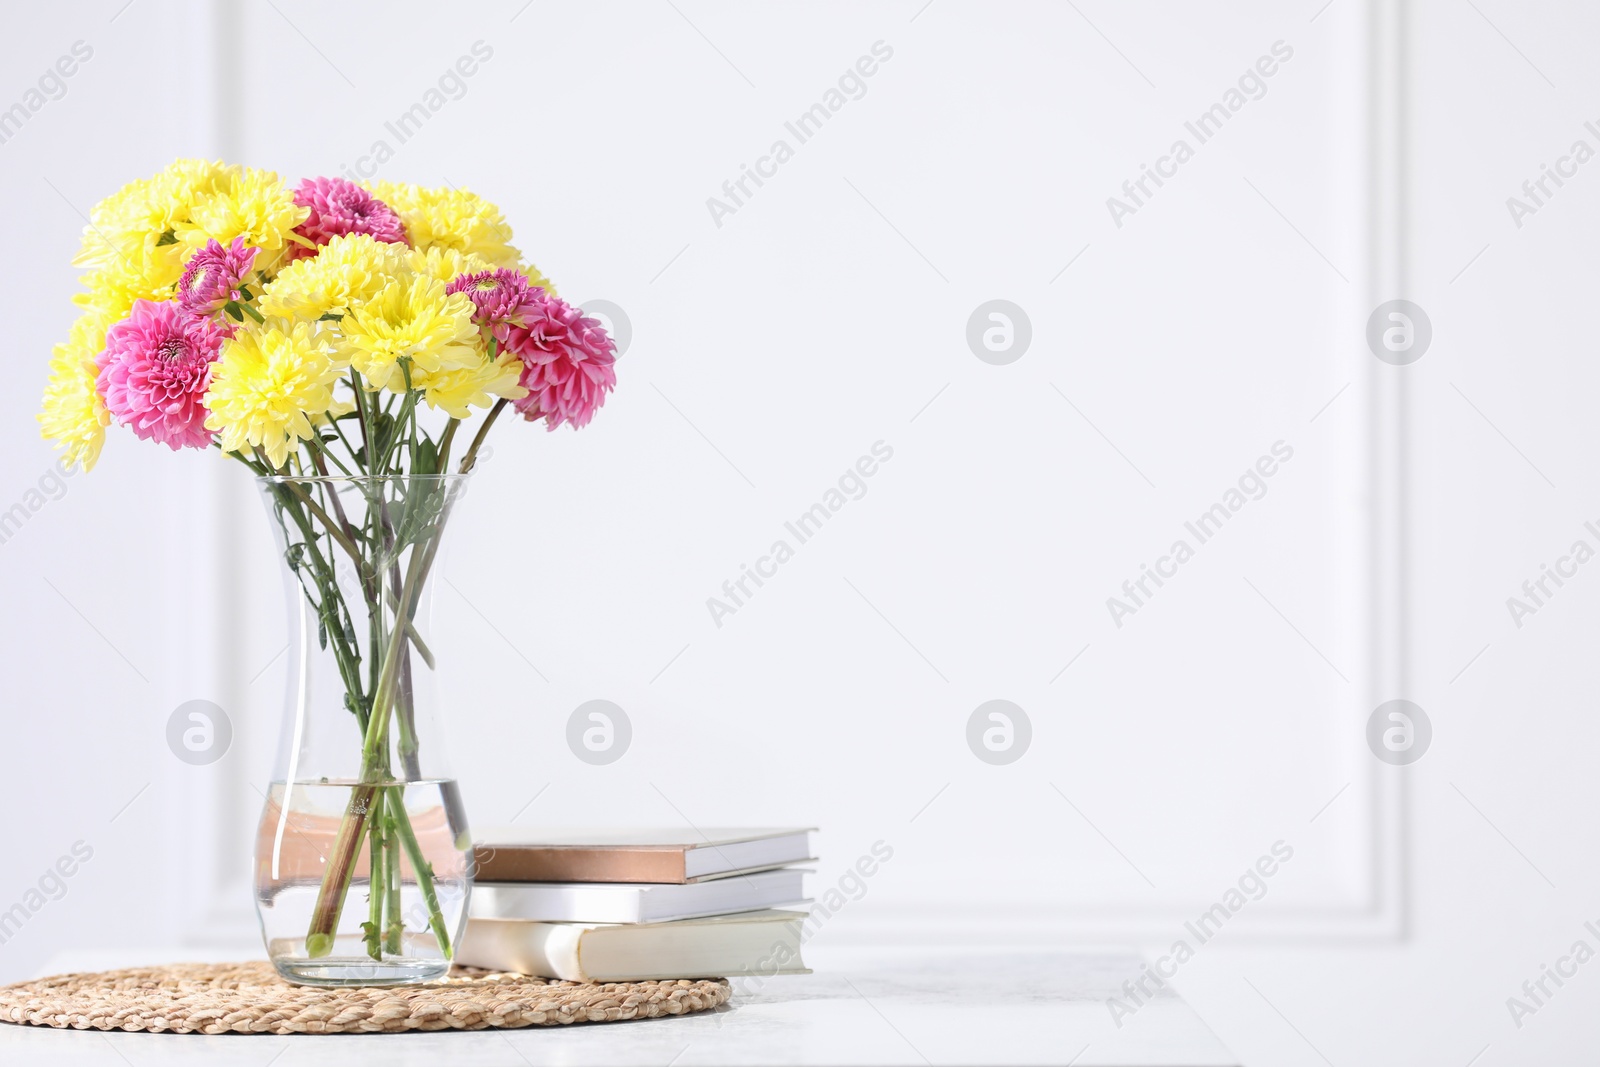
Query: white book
x=635 y=902
x=756 y=943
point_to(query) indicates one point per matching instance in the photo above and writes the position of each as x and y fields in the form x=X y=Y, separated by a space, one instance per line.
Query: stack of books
x=624 y=906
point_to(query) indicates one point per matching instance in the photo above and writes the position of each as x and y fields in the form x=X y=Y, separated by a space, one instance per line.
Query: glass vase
x=362 y=863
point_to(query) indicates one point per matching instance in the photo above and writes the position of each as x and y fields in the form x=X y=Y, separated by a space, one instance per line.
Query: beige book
x=674 y=856
x=755 y=943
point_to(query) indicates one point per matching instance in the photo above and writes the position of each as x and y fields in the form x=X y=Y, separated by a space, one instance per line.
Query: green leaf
x=330 y=316
x=383 y=429
x=427 y=457
x=232 y=308
x=167 y=238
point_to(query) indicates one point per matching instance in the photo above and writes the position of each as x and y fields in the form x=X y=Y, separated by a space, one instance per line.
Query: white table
x=890 y=1005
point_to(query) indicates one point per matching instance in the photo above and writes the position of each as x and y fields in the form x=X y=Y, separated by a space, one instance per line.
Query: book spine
x=510 y=863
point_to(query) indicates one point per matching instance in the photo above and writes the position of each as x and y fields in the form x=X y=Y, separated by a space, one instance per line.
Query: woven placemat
x=250 y=998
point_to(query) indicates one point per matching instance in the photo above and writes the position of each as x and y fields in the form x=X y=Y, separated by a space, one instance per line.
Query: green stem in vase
x=326 y=600
x=374 y=772
x=394 y=928
x=383 y=697
x=424 y=872
x=405 y=710
x=332 y=527
x=336 y=878
x=376 y=798
x=405 y=715
x=375 y=894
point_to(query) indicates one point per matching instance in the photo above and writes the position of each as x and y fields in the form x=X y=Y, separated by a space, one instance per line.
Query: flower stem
x=375 y=814
x=383 y=695
x=406 y=408
x=327 y=520
x=375 y=895
x=424 y=872
x=319 y=449
x=394 y=929
x=336 y=877
x=444 y=445
x=326 y=602
x=483 y=431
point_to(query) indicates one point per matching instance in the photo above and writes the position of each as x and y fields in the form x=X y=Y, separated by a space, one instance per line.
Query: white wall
x=1515 y=731
x=826 y=314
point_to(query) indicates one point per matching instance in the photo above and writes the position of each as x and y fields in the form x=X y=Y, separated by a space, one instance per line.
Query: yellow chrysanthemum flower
x=124 y=219
x=130 y=223
x=88 y=333
x=445 y=263
x=346 y=272
x=413 y=319
x=269 y=385
x=73 y=416
x=112 y=292
x=132 y=233
x=451 y=218
x=201 y=176
x=253 y=204
x=457 y=391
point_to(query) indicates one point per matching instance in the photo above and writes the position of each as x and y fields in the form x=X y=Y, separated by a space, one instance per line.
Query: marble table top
x=863 y=1005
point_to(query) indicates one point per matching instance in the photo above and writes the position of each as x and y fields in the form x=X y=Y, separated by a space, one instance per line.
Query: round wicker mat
x=250 y=998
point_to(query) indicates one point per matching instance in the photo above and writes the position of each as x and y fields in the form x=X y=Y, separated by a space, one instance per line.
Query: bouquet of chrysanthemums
x=331 y=337
x=226 y=308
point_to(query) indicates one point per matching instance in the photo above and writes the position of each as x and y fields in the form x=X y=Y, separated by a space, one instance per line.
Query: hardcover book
x=755 y=943
x=620 y=902
x=664 y=856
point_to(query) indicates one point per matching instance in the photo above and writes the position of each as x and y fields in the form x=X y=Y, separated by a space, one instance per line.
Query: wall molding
x=210 y=812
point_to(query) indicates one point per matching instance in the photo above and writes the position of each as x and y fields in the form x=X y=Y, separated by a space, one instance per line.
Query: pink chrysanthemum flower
x=155 y=370
x=213 y=275
x=340 y=207
x=566 y=362
x=501 y=299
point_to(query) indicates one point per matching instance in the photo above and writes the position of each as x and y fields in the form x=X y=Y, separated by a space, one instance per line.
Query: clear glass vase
x=362 y=868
